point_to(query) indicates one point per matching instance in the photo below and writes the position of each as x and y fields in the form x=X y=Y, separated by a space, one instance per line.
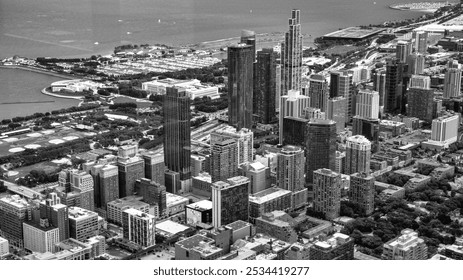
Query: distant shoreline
x=46 y=92
x=425 y=7
x=35 y=70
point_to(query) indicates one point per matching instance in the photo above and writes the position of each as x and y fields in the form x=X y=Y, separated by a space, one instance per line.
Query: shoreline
x=36 y=70
x=44 y=91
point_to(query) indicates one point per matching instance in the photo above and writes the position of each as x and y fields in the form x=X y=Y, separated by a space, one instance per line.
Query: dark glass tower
x=291 y=55
x=240 y=85
x=265 y=87
x=395 y=86
x=177 y=130
x=248 y=37
x=320 y=146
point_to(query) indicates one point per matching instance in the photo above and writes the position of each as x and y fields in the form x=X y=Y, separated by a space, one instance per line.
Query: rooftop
x=175 y=199
x=268 y=195
x=170 y=227
x=77 y=213
x=238 y=225
x=201 y=205
x=353 y=33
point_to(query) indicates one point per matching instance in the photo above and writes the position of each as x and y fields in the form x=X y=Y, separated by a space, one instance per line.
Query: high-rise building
x=177 y=134
x=320 y=147
x=291 y=55
x=340 y=162
x=367 y=104
x=259 y=177
x=153 y=193
x=40 y=237
x=420 y=82
x=116 y=207
x=240 y=85
x=314 y=113
x=108 y=177
x=292 y=105
x=394 y=86
x=403 y=50
x=421 y=42
x=294 y=131
x=248 y=37
x=408 y=246
x=198 y=165
x=336 y=111
x=230 y=201
x=341 y=84
x=290 y=168
x=368 y=128
x=445 y=129
x=57 y=214
x=224 y=159
x=83 y=223
x=318 y=92
x=267 y=201
x=362 y=191
x=139 y=227
x=154 y=167
x=327 y=193
x=379 y=85
x=127 y=151
x=358 y=154
x=82 y=183
x=264 y=97
x=244 y=139
x=130 y=170
x=14 y=210
x=420 y=101
x=452 y=81
x=278 y=87
x=416 y=64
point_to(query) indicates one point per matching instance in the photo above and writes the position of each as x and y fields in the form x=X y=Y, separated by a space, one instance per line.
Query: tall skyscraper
x=108 y=185
x=177 y=134
x=265 y=86
x=230 y=201
x=278 y=87
x=362 y=191
x=130 y=170
x=358 y=154
x=291 y=168
x=421 y=42
x=420 y=98
x=452 y=81
x=368 y=128
x=292 y=105
x=139 y=227
x=82 y=183
x=341 y=84
x=13 y=212
x=367 y=104
x=320 y=147
x=294 y=131
x=244 y=139
x=224 y=159
x=403 y=50
x=240 y=85
x=318 y=92
x=416 y=64
x=248 y=37
x=154 y=167
x=394 y=86
x=327 y=193
x=336 y=111
x=291 y=55
x=379 y=85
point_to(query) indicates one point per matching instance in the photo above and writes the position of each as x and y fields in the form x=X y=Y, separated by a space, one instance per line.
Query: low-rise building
x=337 y=247
x=116 y=207
x=271 y=224
x=175 y=204
x=199 y=212
x=139 y=227
x=4 y=247
x=408 y=246
x=267 y=201
x=197 y=247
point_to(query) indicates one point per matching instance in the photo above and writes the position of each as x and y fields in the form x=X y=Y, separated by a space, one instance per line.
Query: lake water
x=71 y=28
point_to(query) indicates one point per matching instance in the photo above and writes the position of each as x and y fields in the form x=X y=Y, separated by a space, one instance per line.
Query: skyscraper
x=130 y=170
x=341 y=85
x=368 y=128
x=108 y=185
x=452 y=81
x=420 y=98
x=248 y=37
x=327 y=193
x=13 y=212
x=290 y=168
x=403 y=50
x=445 y=129
x=244 y=139
x=367 y=104
x=265 y=86
x=416 y=63
x=154 y=167
x=362 y=191
x=379 y=85
x=177 y=133
x=421 y=42
x=320 y=147
x=358 y=154
x=294 y=131
x=153 y=193
x=224 y=159
x=291 y=55
x=56 y=213
x=230 y=201
x=292 y=105
x=139 y=227
x=336 y=111
x=240 y=85
x=394 y=86
x=318 y=92
x=82 y=183
x=83 y=223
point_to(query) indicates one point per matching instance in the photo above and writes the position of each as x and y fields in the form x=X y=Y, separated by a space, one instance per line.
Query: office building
x=320 y=147
x=421 y=104
x=290 y=168
x=408 y=246
x=379 y=85
x=421 y=42
x=40 y=237
x=362 y=192
x=198 y=165
x=336 y=111
x=130 y=170
x=327 y=193
x=291 y=55
x=269 y=200
x=294 y=131
x=138 y=227
x=416 y=64
x=278 y=87
x=153 y=193
x=452 y=81
x=318 y=92
x=172 y=180
x=240 y=85
x=259 y=177
x=264 y=97
x=116 y=207
x=230 y=201
x=82 y=183
x=337 y=247
x=202 y=185
x=368 y=128
x=367 y=104
x=395 y=86
x=358 y=154
x=154 y=167
x=177 y=134
x=224 y=159
x=291 y=105
x=14 y=210
x=108 y=185
x=83 y=223
x=341 y=84
x=403 y=50
x=445 y=129
x=244 y=139
x=56 y=213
